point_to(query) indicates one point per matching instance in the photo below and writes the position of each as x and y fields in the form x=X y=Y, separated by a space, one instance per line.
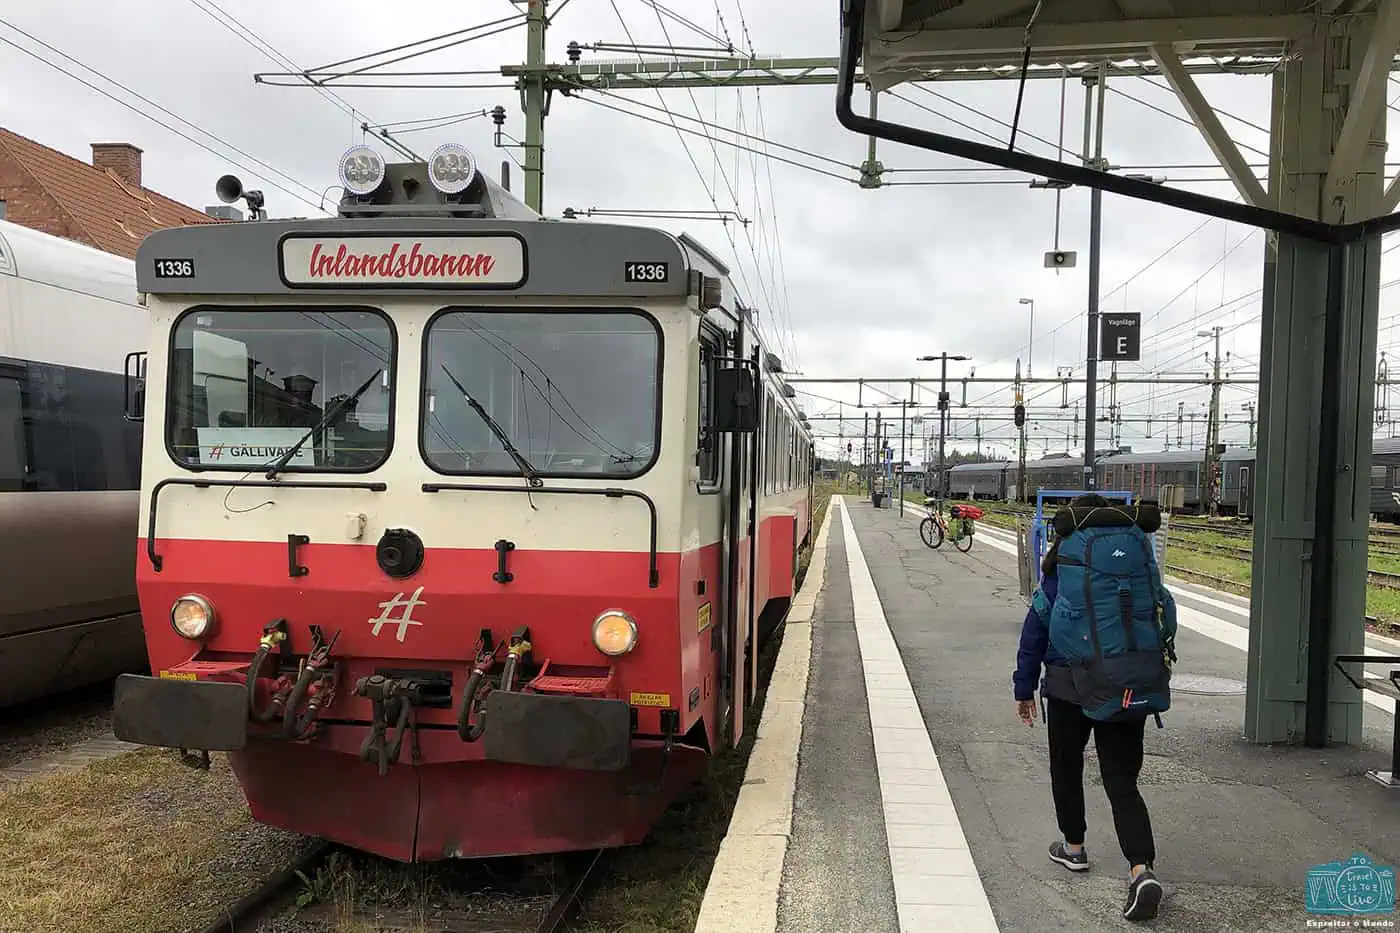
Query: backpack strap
x=1158 y=607
x=1089 y=596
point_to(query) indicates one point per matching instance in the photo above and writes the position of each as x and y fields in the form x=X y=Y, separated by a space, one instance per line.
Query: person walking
x=1119 y=743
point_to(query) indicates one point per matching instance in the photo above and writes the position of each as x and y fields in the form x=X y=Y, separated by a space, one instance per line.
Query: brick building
x=103 y=204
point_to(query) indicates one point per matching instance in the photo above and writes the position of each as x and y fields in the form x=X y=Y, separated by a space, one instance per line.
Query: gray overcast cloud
x=873 y=278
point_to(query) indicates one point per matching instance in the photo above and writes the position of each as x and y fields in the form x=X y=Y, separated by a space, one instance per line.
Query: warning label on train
x=651 y=699
x=251 y=446
x=702 y=618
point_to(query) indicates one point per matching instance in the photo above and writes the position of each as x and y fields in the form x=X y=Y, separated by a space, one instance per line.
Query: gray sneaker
x=1144 y=897
x=1074 y=861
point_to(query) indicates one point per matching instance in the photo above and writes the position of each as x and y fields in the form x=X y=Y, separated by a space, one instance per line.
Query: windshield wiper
x=531 y=476
x=281 y=462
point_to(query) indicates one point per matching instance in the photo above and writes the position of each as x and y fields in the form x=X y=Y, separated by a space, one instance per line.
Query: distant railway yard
x=1219 y=553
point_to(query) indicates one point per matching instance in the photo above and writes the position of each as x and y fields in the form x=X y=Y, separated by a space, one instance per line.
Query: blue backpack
x=1115 y=623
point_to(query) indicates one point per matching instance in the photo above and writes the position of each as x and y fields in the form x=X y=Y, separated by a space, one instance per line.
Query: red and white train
x=462 y=526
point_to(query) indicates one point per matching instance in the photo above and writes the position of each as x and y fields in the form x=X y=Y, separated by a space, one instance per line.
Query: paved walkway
x=918 y=802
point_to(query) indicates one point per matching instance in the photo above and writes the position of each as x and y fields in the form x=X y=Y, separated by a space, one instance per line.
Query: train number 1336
x=174 y=268
x=646 y=272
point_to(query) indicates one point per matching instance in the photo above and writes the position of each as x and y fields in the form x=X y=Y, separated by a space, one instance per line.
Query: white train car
x=69 y=466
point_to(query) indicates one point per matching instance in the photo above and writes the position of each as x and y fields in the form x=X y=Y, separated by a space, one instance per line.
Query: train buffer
x=892 y=787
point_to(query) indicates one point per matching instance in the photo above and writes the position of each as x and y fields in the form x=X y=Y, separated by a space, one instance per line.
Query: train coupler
x=392 y=703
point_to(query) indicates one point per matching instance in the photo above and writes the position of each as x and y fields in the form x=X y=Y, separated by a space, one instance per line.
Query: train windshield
x=576 y=392
x=246 y=386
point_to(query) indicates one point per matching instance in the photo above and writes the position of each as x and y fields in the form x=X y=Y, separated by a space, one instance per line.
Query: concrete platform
x=919 y=802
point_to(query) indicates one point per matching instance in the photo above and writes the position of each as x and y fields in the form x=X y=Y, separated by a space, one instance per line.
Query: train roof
x=1177 y=456
x=407 y=236
x=974 y=467
x=66 y=264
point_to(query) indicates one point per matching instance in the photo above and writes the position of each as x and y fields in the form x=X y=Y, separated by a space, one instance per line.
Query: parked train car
x=1144 y=474
x=69 y=466
x=1385 y=479
x=537 y=490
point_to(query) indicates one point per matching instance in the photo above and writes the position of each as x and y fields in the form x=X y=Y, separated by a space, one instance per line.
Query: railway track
x=481 y=905
x=1378 y=578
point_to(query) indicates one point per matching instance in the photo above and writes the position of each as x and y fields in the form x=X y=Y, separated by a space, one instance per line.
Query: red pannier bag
x=971 y=511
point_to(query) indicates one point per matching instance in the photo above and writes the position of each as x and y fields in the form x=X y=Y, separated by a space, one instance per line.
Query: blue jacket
x=1035 y=646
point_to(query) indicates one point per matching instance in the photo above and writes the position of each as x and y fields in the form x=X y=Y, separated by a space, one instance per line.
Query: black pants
x=1119 y=746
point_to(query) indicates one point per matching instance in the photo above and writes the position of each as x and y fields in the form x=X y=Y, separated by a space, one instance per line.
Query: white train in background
x=69 y=466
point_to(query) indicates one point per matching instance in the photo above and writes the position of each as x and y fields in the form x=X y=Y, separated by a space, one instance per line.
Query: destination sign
x=429 y=261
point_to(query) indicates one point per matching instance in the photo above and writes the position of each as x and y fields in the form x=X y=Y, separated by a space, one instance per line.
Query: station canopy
x=917 y=40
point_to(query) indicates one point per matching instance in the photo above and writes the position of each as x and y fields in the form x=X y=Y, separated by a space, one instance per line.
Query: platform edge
x=741 y=895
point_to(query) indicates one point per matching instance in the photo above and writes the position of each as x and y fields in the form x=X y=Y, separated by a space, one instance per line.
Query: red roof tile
x=115 y=216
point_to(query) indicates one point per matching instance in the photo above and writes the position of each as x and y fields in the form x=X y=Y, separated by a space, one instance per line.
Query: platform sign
x=1120 y=337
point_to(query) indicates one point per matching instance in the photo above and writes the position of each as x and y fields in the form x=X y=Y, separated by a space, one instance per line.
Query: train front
x=412 y=552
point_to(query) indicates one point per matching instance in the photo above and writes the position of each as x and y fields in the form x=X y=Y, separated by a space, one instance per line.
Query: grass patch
x=1232 y=569
x=138 y=843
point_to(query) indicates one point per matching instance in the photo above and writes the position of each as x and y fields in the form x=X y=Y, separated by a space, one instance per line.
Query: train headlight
x=614 y=633
x=192 y=616
x=451 y=168
x=361 y=170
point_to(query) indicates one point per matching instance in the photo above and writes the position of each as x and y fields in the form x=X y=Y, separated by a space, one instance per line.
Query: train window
x=246 y=385
x=770 y=434
x=707 y=442
x=577 y=392
x=1378 y=477
x=12 y=446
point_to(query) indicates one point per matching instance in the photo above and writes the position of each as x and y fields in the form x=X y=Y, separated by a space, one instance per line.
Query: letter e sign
x=1120 y=337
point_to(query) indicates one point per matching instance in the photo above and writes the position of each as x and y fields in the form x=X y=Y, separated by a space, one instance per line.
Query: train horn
x=228 y=188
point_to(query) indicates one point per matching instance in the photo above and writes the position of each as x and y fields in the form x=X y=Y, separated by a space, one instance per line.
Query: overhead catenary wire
x=241 y=30
x=763 y=284
x=266 y=167
x=484 y=30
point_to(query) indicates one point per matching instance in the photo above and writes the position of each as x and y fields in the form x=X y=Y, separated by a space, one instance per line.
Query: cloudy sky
x=849 y=282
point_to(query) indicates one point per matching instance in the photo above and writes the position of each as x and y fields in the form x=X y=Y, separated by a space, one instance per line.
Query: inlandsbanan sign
x=497 y=261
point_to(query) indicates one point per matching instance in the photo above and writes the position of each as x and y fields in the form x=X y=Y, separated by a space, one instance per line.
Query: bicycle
x=934 y=528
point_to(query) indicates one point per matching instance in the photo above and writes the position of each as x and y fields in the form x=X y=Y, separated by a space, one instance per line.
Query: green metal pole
x=534 y=80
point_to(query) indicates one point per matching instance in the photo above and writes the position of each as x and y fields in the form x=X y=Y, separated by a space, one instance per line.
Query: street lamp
x=942 y=415
x=1030 y=350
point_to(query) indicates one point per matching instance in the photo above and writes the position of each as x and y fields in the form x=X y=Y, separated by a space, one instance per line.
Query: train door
x=1246 y=492
x=738 y=401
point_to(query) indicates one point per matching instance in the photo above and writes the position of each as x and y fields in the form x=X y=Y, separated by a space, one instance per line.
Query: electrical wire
x=748 y=237
x=150 y=103
x=505 y=23
x=264 y=48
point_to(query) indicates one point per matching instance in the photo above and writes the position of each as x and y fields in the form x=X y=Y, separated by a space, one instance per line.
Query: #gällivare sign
x=404 y=260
